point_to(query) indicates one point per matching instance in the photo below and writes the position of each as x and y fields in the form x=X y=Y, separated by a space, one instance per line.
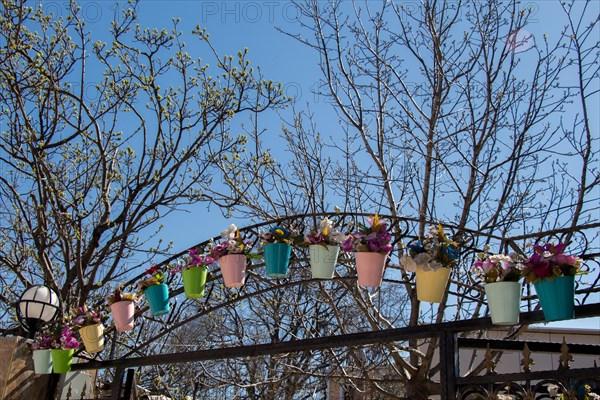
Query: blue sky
x=235 y=25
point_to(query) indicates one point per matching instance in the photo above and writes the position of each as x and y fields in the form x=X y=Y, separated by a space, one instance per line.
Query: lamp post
x=37 y=306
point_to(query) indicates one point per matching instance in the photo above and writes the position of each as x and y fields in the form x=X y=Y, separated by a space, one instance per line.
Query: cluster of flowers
x=118 y=295
x=155 y=276
x=84 y=316
x=373 y=238
x=60 y=339
x=194 y=259
x=491 y=268
x=433 y=252
x=547 y=261
x=233 y=244
x=326 y=234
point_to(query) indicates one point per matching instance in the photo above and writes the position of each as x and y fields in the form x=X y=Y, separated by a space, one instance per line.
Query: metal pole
x=53 y=381
x=116 y=385
x=448 y=364
x=129 y=382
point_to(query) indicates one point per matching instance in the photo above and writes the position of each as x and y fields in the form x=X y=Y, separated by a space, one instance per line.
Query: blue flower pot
x=557 y=297
x=158 y=299
x=277 y=259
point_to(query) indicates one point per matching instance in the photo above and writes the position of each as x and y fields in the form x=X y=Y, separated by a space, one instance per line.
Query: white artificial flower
x=500 y=258
x=423 y=258
x=229 y=233
x=547 y=254
x=337 y=237
x=552 y=390
x=435 y=265
x=408 y=264
x=326 y=224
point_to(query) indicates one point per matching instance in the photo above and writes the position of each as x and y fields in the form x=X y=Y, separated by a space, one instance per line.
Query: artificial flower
x=498 y=267
x=373 y=238
x=194 y=259
x=118 y=295
x=433 y=252
x=325 y=234
x=84 y=316
x=278 y=234
x=549 y=261
x=156 y=276
x=233 y=244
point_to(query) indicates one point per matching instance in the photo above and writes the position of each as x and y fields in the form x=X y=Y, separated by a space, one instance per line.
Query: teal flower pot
x=557 y=297
x=158 y=299
x=277 y=259
x=504 y=300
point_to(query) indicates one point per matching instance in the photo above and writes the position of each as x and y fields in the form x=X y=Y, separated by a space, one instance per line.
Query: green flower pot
x=194 y=282
x=61 y=360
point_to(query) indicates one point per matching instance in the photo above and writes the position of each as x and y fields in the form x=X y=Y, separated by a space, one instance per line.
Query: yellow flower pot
x=92 y=337
x=431 y=285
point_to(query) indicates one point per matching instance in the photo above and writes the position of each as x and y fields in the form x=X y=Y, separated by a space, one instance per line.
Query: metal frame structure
x=446 y=333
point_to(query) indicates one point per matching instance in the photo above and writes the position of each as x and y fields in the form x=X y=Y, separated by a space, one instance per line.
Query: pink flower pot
x=370 y=267
x=233 y=268
x=123 y=315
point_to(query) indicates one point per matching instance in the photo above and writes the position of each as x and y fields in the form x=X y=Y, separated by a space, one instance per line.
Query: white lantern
x=38 y=306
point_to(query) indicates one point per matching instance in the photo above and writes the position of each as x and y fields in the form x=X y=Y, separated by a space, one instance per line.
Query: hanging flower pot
x=371 y=245
x=557 y=297
x=369 y=268
x=123 y=315
x=431 y=284
x=323 y=260
x=233 y=269
x=93 y=337
x=553 y=275
x=42 y=361
x=504 y=300
x=158 y=299
x=194 y=282
x=277 y=259
x=61 y=360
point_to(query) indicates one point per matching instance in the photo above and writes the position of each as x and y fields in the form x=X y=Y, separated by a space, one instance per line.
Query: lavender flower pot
x=123 y=313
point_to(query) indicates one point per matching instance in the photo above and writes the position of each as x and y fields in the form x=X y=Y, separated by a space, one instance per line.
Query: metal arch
x=405 y=228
